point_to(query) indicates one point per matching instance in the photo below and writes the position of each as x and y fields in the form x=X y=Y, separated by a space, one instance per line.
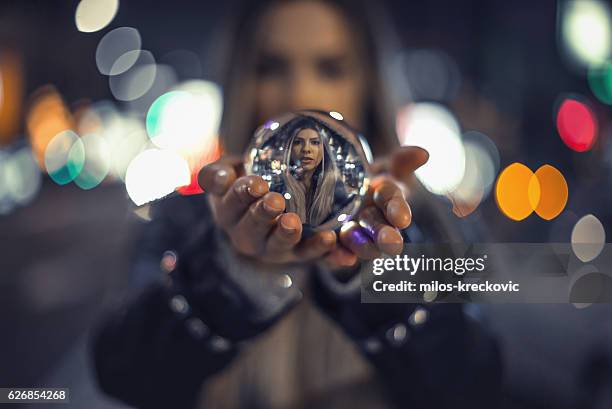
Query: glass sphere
x=317 y=162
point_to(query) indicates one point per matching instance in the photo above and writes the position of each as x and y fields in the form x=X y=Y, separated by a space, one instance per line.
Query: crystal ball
x=317 y=162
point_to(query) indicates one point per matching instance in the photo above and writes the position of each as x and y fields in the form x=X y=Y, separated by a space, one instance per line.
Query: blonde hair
x=325 y=176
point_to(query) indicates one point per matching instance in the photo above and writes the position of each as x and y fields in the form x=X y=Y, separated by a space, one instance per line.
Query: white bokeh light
x=479 y=174
x=433 y=128
x=187 y=117
x=586 y=30
x=136 y=81
x=155 y=173
x=97 y=161
x=588 y=238
x=124 y=135
x=94 y=15
x=22 y=178
x=114 y=46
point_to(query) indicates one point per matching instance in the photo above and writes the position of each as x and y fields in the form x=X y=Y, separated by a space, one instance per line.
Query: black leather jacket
x=157 y=349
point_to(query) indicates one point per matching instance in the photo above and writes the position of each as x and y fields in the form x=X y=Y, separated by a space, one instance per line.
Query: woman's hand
x=253 y=217
x=375 y=229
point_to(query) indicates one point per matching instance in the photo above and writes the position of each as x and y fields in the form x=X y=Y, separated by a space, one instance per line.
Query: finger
x=407 y=159
x=387 y=238
x=340 y=258
x=216 y=178
x=219 y=176
x=402 y=163
x=243 y=192
x=390 y=200
x=250 y=233
x=286 y=234
x=316 y=246
x=354 y=238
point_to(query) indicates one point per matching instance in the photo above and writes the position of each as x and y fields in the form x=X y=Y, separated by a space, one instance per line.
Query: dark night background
x=65 y=255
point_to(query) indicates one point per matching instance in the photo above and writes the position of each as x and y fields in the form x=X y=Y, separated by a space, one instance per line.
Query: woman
x=262 y=317
x=316 y=193
x=311 y=177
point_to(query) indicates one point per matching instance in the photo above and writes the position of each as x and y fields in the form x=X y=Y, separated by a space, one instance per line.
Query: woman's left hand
x=375 y=229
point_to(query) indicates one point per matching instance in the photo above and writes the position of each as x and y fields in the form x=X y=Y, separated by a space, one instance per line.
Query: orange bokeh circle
x=519 y=192
x=554 y=192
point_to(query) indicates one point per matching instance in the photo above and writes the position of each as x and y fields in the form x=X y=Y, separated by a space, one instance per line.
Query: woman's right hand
x=254 y=218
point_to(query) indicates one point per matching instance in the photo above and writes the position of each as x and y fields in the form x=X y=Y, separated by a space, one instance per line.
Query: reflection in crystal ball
x=316 y=162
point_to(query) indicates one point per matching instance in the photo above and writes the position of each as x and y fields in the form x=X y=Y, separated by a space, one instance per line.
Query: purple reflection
x=359 y=236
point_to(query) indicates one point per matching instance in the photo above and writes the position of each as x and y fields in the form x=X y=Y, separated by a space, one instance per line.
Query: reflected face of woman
x=307 y=149
x=308 y=59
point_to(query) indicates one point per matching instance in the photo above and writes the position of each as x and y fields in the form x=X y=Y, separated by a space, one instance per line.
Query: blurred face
x=308 y=60
x=307 y=150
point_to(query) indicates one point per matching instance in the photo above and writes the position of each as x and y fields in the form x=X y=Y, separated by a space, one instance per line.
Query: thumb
x=402 y=163
x=406 y=160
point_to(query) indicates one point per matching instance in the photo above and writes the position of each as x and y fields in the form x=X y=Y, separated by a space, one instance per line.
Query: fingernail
x=284 y=224
x=390 y=240
x=256 y=189
x=389 y=235
x=328 y=239
x=221 y=177
x=270 y=209
x=397 y=212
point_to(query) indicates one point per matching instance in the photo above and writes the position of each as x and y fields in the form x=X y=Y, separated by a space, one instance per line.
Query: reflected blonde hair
x=325 y=175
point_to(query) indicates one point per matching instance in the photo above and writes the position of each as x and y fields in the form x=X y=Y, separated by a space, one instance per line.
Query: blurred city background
x=106 y=105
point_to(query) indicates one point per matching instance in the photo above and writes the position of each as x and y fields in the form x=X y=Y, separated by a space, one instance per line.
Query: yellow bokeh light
x=519 y=192
x=47 y=117
x=554 y=192
x=515 y=192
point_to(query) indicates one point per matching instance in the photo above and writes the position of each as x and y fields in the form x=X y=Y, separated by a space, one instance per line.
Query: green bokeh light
x=155 y=115
x=64 y=157
x=600 y=81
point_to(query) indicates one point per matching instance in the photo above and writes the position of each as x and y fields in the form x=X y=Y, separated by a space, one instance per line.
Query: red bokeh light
x=197 y=160
x=577 y=125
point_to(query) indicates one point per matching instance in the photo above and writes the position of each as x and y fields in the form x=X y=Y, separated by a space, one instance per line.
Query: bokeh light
x=553 y=192
x=6 y=202
x=154 y=174
x=97 y=161
x=137 y=80
x=64 y=157
x=196 y=162
x=588 y=238
x=186 y=120
x=48 y=116
x=481 y=166
x=183 y=120
x=576 y=124
x=11 y=95
x=22 y=177
x=517 y=192
x=586 y=31
x=600 y=81
x=115 y=44
x=124 y=134
x=434 y=128
x=94 y=15
x=165 y=80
